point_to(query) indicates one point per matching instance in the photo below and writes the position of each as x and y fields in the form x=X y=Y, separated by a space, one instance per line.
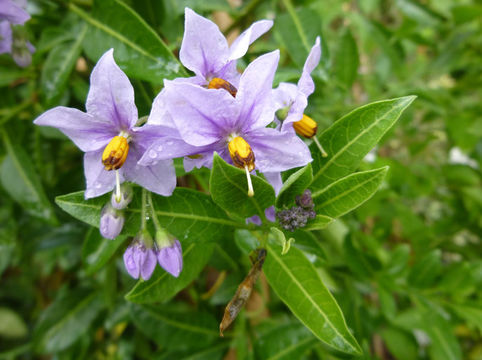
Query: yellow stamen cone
x=218 y=83
x=115 y=153
x=243 y=158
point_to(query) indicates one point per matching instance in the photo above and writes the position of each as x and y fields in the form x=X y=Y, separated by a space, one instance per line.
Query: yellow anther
x=243 y=158
x=218 y=83
x=241 y=153
x=306 y=127
x=115 y=153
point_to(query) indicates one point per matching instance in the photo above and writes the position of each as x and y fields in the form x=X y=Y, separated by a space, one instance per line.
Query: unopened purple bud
x=255 y=219
x=140 y=259
x=305 y=200
x=125 y=198
x=170 y=258
x=111 y=222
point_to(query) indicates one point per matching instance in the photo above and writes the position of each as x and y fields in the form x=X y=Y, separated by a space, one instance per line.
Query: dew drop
x=169 y=143
x=98 y=185
x=159 y=147
x=152 y=154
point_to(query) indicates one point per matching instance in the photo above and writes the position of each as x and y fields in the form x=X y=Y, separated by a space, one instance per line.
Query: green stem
x=157 y=224
x=143 y=210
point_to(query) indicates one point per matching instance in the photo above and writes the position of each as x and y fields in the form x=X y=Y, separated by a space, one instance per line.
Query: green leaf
x=59 y=64
x=400 y=344
x=346 y=60
x=229 y=188
x=139 y=51
x=175 y=330
x=97 y=250
x=318 y=223
x=348 y=193
x=66 y=320
x=297 y=31
x=287 y=342
x=299 y=286
x=187 y=214
x=294 y=185
x=472 y=313
x=22 y=183
x=162 y=286
x=349 y=139
x=308 y=243
x=12 y=325
x=426 y=269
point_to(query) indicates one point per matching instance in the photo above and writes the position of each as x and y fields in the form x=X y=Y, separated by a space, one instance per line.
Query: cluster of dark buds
x=297 y=216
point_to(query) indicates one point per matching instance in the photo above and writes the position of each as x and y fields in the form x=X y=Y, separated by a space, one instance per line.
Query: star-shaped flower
x=108 y=135
x=210 y=120
x=205 y=50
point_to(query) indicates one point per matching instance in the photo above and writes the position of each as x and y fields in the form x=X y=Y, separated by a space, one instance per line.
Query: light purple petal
x=274 y=178
x=132 y=261
x=204 y=49
x=111 y=95
x=202 y=116
x=159 y=114
x=5 y=37
x=13 y=12
x=170 y=258
x=86 y=131
x=306 y=84
x=255 y=219
x=240 y=46
x=254 y=92
x=163 y=143
x=99 y=181
x=270 y=214
x=277 y=151
x=148 y=263
x=159 y=178
x=284 y=94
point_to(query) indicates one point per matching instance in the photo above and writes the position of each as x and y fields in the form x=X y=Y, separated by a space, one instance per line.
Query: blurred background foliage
x=405 y=267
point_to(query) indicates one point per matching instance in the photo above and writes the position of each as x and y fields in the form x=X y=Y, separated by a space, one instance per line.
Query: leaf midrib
x=272 y=253
x=355 y=139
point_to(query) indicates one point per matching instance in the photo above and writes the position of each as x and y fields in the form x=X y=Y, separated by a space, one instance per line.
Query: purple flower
x=108 y=135
x=140 y=257
x=11 y=40
x=270 y=214
x=170 y=258
x=111 y=222
x=294 y=98
x=209 y=120
x=205 y=50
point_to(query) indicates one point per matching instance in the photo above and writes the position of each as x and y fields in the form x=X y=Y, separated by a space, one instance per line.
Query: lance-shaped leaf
x=349 y=139
x=139 y=51
x=299 y=286
x=97 y=251
x=187 y=214
x=21 y=182
x=67 y=319
x=348 y=193
x=59 y=64
x=294 y=185
x=286 y=342
x=162 y=286
x=229 y=189
x=175 y=330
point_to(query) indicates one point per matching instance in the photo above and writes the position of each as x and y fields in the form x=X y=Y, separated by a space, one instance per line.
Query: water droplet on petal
x=152 y=154
x=159 y=147
x=98 y=185
x=169 y=143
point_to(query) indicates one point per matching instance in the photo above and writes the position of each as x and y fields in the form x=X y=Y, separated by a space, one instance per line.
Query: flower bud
x=111 y=222
x=169 y=253
x=140 y=257
x=282 y=113
x=305 y=200
x=218 y=83
x=125 y=198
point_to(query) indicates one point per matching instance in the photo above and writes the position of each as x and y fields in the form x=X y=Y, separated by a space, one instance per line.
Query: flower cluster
x=297 y=216
x=12 y=39
x=216 y=110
